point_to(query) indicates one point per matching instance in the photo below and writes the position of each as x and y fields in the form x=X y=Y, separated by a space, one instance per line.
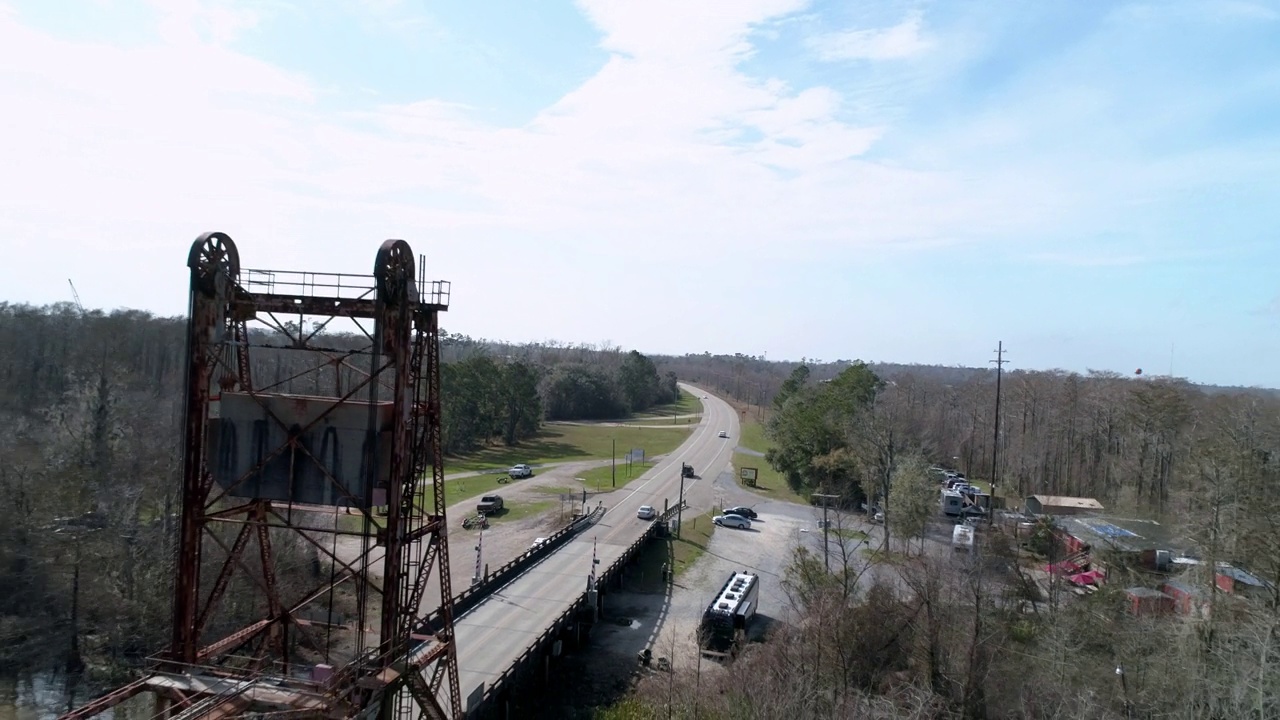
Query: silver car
x=733 y=521
x=646 y=512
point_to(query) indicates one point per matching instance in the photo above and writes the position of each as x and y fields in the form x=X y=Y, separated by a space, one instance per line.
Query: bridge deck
x=494 y=635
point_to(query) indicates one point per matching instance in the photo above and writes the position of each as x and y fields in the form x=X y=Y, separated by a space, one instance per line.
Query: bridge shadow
x=601 y=671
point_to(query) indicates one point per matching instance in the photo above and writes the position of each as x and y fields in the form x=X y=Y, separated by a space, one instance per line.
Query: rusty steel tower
x=309 y=448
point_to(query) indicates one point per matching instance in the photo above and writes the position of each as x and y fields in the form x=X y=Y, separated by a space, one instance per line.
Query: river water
x=44 y=696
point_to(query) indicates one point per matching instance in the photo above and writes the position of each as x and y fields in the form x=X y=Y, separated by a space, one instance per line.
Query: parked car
x=520 y=471
x=489 y=504
x=724 y=433
x=742 y=510
x=647 y=512
x=733 y=521
x=878 y=517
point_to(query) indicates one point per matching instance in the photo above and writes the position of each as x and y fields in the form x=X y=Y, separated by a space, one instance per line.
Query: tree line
x=499 y=392
x=90 y=459
x=974 y=637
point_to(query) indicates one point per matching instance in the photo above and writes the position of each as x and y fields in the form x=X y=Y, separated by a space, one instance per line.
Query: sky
x=1097 y=185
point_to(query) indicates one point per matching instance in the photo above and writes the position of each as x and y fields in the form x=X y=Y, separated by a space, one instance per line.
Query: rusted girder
x=108 y=701
x=255 y=452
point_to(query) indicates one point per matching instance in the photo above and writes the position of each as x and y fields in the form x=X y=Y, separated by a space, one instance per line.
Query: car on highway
x=646 y=512
x=520 y=471
x=733 y=521
x=724 y=433
x=743 y=511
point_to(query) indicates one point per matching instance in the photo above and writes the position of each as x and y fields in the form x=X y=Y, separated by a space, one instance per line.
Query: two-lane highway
x=493 y=635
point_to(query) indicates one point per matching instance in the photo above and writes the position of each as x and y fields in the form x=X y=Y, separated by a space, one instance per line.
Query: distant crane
x=76 y=295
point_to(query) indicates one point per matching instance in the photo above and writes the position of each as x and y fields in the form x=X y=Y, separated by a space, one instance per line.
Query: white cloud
x=119 y=155
x=1245 y=10
x=903 y=40
x=192 y=21
x=1084 y=259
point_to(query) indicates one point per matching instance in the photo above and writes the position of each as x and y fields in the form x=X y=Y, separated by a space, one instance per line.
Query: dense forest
x=90 y=459
x=949 y=638
x=91 y=408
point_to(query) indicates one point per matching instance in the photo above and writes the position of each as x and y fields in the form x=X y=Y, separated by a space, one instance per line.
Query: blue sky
x=1092 y=183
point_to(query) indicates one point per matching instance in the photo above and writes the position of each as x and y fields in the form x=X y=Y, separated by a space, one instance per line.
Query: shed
x=1187 y=599
x=1145 y=602
x=1231 y=579
x=1061 y=505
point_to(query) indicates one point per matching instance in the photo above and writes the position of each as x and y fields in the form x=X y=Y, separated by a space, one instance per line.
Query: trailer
x=725 y=621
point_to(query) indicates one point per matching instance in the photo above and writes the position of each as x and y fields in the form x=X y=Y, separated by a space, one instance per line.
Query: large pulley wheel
x=213 y=261
x=394 y=272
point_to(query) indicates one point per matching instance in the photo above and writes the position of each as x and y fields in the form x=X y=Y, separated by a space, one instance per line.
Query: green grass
x=601 y=479
x=686 y=405
x=460 y=489
x=521 y=510
x=753 y=437
x=559 y=443
x=769 y=482
x=646 y=574
x=665 y=422
x=849 y=534
x=692 y=544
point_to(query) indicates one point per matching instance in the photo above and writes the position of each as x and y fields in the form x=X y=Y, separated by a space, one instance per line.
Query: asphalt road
x=498 y=631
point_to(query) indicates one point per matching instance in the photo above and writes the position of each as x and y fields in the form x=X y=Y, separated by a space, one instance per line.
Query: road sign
x=748 y=475
x=636 y=455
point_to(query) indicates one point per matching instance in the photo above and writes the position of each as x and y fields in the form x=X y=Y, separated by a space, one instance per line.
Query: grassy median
x=563 y=442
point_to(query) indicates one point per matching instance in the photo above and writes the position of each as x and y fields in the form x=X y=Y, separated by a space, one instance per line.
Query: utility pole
x=995 y=445
x=826 y=524
x=613 y=463
x=680 y=507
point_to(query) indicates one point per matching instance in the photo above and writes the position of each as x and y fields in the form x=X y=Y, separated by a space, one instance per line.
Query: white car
x=733 y=521
x=520 y=471
x=724 y=433
x=646 y=512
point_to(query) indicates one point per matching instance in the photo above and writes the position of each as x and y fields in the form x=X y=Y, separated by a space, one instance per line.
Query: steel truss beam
x=403 y=374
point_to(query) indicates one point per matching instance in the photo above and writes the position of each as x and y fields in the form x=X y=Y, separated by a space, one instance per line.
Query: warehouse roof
x=1123 y=534
x=1066 y=501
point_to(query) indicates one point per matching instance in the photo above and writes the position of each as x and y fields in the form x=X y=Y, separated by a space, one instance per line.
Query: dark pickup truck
x=489 y=504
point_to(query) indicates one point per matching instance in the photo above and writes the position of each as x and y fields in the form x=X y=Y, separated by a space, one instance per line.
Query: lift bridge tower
x=306 y=442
